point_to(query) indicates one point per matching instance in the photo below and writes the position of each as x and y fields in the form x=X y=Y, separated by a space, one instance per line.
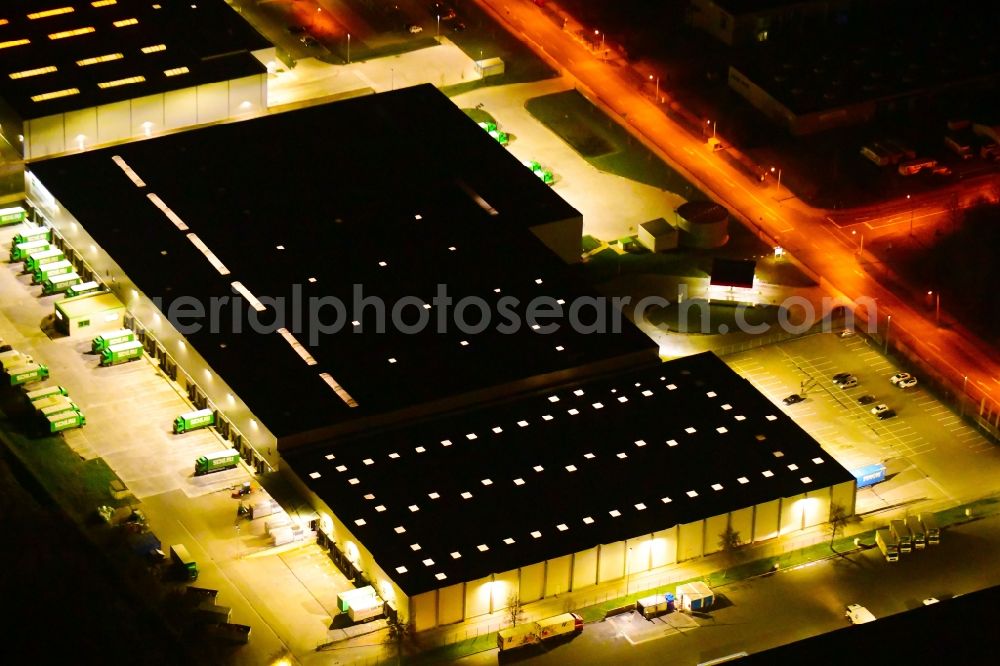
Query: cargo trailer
x=27 y=374
x=105 y=340
x=47 y=271
x=13 y=358
x=887 y=543
x=32 y=234
x=916 y=532
x=183 y=562
x=533 y=633
x=19 y=251
x=13 y=215
x=121 y=353
x=931 y=530
x=65 y=421
x=60 y=283
x=83 y=288
x=46 y=392
x=216 y=461
x=200 y=418
x=901 y=532
x=695 y=596
x=39 y=258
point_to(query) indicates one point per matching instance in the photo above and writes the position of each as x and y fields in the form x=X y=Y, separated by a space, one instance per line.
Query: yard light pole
x=965 y=382
x=439 y=24
x=657 y=87
x=861 y=247
x=772 y=171
x=911 y=215
x=348 y=48
x=887 y=324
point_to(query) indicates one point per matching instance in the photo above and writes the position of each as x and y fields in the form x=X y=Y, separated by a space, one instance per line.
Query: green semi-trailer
x=60 y=283
x=39 y=258
x=216 y=461
x=32 y=234
x=47 y=271
x=121 y=353
x=19 y=251
x=201 y=418
x=105 y=340
x=65 y=421
x=47 y=392
x=13 y=215
x=26 y=374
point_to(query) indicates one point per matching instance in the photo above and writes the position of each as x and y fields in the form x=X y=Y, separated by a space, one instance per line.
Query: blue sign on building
x=869 y=475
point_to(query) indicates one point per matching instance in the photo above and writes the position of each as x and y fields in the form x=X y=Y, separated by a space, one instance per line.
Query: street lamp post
x=965 y=383
x=392 y=79
x=937 y=308
x=887 y=324
x=772 y=171
x=657 y=87
x=861 y=247
x=911 y=215
x=439 y=24
x=348 y=48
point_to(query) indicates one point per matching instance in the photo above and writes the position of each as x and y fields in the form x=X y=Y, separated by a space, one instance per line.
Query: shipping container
x=200 y=418
x=60 y=283
x=105 y=340
x=21 y=250
x=216 y=461
x=41 y=257
x=695 y=596
x=49 y=270
x=121 y=353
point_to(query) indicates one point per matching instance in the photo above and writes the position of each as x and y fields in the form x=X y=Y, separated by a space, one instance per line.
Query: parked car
x=458 y=27
x=866 y=399
x=309 y=41
x=840 y=376
x=930 y=600
x=888 y=414
x=413 y=28
x=907 y=383
x=879 y=409
x=846 y=333
x=793 y=398
x=899 y=376
x=858 y=614
x=850 y=382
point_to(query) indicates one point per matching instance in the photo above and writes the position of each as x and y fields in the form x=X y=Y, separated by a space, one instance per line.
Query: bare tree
x=730 y=539
x=838 y=521
x=514 y=608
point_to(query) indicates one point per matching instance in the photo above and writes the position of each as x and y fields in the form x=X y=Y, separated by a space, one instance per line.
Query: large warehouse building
x=574 y=486
x=384 y=200
x=81 y=73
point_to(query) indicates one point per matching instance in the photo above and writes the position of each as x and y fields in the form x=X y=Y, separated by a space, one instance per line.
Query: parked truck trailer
x=46 y=392
x=13 y=215
x=19 y=251
x=916 y=532
x=200 y=418
x=105 y=340
x=931 y=530
x=31 y=233
x=183 y=562
x=887 y=543
x=216 y=461
x=901 y=532
x=121 y=353
x=39 y=258
x=60 y=283
x=65 y=421
x=26 y=374
x=533 y=633
x=83 y=288
x=43 y=273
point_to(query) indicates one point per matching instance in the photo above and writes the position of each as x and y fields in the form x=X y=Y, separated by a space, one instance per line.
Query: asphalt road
x=789 y=606
x=805 y=232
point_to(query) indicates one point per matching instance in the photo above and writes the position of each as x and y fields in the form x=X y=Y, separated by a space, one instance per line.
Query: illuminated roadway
x=814 y=238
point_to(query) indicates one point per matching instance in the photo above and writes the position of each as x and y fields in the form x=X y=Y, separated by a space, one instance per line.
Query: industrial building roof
x=62 y=56
x=934 y=51
x=397 y=193
x=84 y=304
x=615 y=458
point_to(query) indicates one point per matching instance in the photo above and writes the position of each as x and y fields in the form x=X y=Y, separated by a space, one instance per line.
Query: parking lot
x=286 y=594
x=932 y=456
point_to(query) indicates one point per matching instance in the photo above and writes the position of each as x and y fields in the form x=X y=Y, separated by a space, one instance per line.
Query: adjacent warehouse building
x=232 y=254
x=573 y=486
x=81 y=73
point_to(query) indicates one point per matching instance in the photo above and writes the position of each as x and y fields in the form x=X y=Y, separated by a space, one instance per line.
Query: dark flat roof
x=339 y=188
x=558 y=464
x=960 y=630
x=733 y=272
x=208 y=37
x=737 y=7
x=931 y=51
